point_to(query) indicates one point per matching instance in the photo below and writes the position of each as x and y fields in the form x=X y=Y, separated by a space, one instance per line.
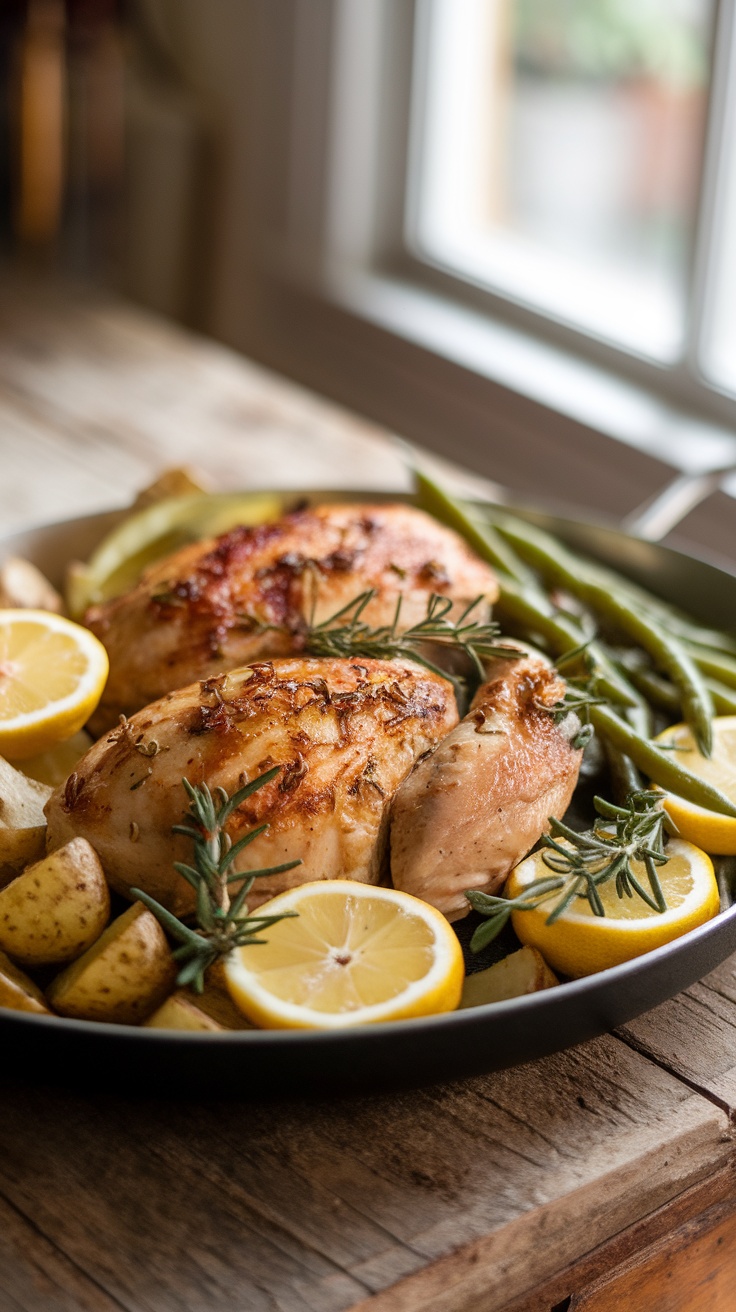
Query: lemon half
x=52 y=673
x=581 y=943
x=353 y=955
x=714 y=833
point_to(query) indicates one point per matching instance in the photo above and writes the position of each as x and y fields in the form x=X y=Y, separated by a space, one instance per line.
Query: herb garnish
x=221 y=924
x=346 y=634
x=588 y=860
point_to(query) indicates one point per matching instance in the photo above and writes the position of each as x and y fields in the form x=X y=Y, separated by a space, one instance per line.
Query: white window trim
x=318 y=283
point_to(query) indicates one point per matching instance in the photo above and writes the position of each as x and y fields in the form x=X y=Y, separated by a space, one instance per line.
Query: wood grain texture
x=466 y=1197
x=463 y=1193
x=690 y=1270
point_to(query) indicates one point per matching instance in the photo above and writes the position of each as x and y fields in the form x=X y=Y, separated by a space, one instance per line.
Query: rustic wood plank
x=386 y=1202
x=35 y=1274
x=694 y=1035
x=121 y=394
x=691 y=1269
x=627 y=1246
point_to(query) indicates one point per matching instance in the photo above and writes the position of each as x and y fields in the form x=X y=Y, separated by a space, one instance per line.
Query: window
x=558 y=152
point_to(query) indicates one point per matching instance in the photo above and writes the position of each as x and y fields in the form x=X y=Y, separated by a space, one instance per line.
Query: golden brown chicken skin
x=202 y=610
x=344 y=732
x=473 y=808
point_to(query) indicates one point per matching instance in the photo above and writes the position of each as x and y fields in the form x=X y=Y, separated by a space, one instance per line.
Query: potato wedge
x=123 y=977
x=57 y=908
x=22 y=821
x=174 y=482
x=55 y=766
x=180 y=1012
x=17 y=991
x=25 y=587
x=520 y=972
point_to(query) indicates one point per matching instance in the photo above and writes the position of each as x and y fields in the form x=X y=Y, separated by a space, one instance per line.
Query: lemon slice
x=353 y=955
x=581 y=943
x=714 y=833
x=52 y=673
x=150 y=534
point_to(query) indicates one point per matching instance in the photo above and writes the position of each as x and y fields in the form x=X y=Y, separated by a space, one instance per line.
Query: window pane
x=557 y=152
x=719 y=335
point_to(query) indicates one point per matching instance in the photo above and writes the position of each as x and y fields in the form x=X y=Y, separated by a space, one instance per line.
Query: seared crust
x=344 y=732
x=203 y=609
x=473 y=808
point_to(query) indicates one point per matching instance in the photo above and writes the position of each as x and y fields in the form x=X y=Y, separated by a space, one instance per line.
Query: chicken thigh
x=344 y=732
x=207 y=608
x=473 y=808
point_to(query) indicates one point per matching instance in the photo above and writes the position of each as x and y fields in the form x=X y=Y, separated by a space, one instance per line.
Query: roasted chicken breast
x=345 y=732
x=207 y=608
x=473 y=808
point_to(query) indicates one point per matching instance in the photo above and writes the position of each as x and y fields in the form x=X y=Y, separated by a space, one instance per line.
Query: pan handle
x=659 y=514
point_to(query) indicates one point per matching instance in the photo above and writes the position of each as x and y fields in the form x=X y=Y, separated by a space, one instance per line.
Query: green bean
x=484 y=539
x=656 y=689
x=562 y=635
x=724 y=699
x=668 y=654
x=714 y=664
x=657 y=764
x=625 y=778
x=555 y=561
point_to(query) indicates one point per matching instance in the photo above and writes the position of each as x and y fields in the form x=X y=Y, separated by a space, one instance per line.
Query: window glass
x=556 y=155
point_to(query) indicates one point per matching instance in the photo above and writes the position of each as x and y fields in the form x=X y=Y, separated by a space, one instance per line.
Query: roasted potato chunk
x=24 y=587
x=22 y=820
x=54 y=766
x=520 y=972
x=17 y=991
x=123 y=977
x=179 y=1012
x=175 y=482
x=57 y=908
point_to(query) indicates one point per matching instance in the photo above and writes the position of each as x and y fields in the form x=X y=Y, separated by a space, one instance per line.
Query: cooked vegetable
x=17 y=991
x=57 y=908
x=149 y=534
x=123 y=977
x=22 y=586
x=660 y=766
x=179 y=1013
x=54 y=766
x=177 y=482
x=22 y=819
x=519 y=973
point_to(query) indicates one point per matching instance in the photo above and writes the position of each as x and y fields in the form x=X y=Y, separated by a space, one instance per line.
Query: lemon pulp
x=354 y=954
x=580 y=943
x=713 y=832
x=52 y=673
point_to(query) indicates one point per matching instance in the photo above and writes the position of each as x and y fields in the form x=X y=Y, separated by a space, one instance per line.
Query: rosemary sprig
x=577 y=700
x=346 y=634
x=622 y=835
x=221 y=923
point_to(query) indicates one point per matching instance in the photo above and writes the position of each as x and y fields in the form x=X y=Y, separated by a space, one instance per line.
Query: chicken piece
x=473 y=808
x=346 y=732
x=202 y=610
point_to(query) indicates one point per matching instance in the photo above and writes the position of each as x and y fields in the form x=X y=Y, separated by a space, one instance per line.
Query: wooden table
x=597 y=1179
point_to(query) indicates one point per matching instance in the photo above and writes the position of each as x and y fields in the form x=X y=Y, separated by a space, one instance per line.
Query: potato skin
x=17 y=991
x=180 y=1012
x=123 y=977
x=57 y=908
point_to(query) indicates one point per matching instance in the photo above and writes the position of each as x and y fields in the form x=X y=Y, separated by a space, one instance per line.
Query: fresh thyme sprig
x=221 y=923
x=346 y=634
x=622 y=835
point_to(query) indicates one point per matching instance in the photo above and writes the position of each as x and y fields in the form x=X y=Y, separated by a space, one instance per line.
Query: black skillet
x=449 y=1047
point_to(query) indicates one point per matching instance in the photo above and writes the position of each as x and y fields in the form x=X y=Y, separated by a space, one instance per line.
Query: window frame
x=320 y=282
